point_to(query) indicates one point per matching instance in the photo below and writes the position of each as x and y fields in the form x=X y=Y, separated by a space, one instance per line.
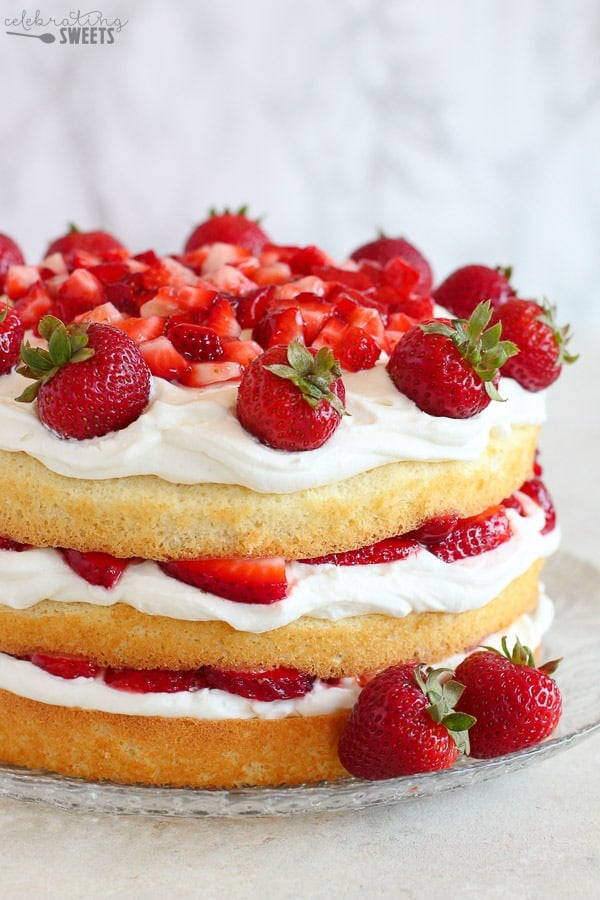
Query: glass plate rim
x=347 y=794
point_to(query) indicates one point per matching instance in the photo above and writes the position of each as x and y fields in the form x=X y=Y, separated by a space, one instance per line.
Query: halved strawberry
x=155 y=681
x=273 y=684
x=203 y=374
x=163 y=359
x=96 y=568
x=386 y=551
x=473 y=535
x=65 y=666
x=242 y=580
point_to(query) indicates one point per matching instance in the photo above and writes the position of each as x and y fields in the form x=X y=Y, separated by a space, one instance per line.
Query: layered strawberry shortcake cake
x=239 y=481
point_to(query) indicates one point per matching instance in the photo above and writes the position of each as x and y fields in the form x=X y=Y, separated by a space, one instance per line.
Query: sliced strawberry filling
x=264 y=581
x=266 y=685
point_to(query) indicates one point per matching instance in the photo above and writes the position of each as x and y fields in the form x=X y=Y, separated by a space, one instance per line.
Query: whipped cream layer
x=24 y=679
x=419 y=583
x=189 y=435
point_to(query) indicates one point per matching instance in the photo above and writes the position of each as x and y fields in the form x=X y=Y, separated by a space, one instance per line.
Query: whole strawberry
x=542 y=345
x=515 y=703
x=466 y=287
x=291 y=398
x=98 y=243
x=10 y=255
x=11 y=335
x=450 y=367
x=385 y=248
x=403 y=723
x=228 y=228
x=91 y=380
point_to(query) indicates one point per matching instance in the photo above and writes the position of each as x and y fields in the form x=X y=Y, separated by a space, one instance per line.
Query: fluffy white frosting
x=191 y=435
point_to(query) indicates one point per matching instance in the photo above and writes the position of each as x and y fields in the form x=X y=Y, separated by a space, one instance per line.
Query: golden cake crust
x=176 y=752
x=121 y=636
x=145 y=516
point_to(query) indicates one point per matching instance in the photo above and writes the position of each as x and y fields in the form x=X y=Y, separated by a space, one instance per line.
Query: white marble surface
x=473 y=128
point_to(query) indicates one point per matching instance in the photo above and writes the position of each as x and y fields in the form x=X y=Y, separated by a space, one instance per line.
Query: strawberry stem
x=312 y=375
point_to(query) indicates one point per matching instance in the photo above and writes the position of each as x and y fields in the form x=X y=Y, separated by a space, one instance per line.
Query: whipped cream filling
x=189 y=435
x=24 y=679
x=419 y=583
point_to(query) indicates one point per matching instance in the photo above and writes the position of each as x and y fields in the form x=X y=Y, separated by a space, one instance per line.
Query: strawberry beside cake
x=240 y=481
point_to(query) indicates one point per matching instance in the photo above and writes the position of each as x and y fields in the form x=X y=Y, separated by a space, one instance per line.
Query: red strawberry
x=96 y=243
x=403 y=723
x=11 y=335
x=537 y=490
x=195 y=342
x=279 y=327
x=388 y=550
x=7 y=543
x=291 y=398
x=155 y=681
x=542 y=345
x=221 y=318
x=269 y=685
x=19 y=280
x=384 y=249
x=91 y=380
x=65 y=666
x=228 y=228
x=142 y=329
x=471 y=536
x=163 y=359
x=10 y=255
x=202 y=374
x=242 y=580
x=466 y=287
x=80 y=292
x=35 y=304
x=97 y=568
x=450 y=367
x=357 y=349
x=515 y=703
